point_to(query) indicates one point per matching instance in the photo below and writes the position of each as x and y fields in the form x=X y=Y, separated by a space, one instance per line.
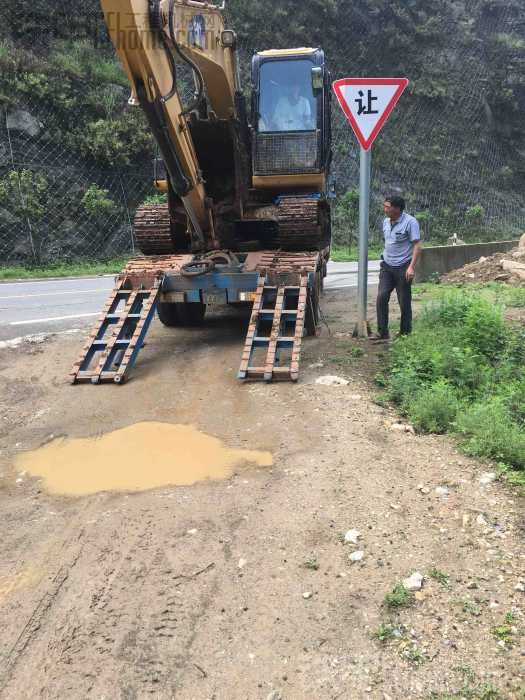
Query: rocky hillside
x=74 y=161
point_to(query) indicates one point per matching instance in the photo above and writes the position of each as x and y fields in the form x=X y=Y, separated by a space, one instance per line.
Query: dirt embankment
x=501 y=267
x=244 y=588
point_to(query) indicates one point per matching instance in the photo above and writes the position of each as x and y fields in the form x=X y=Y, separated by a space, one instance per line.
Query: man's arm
x=415 y=237
x=411 y=269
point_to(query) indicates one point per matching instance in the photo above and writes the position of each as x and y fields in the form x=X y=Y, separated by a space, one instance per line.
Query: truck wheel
x=312 y=314
x=181 y=314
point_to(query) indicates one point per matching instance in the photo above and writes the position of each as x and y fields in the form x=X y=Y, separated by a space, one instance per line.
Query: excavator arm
x=150 y=36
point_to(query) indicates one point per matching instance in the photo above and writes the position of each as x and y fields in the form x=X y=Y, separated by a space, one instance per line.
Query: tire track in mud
x=37 y=617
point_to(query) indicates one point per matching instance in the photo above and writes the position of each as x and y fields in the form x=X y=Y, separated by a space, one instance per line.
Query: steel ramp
x=278 y=309
x=118 y=335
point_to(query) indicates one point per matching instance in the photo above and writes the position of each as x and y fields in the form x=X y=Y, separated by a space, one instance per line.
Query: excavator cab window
x=290 y=113
x=286 y=97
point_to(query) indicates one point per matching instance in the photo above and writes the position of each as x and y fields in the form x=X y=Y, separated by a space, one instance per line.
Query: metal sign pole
x=362 y=329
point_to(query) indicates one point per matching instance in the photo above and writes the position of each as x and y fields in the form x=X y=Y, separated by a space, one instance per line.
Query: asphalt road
x=50 y=306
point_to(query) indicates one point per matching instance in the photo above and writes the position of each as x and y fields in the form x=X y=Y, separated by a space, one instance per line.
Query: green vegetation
x=399 y=598
x=507 y=631
x=441 y=577
x=97 y=201
x=311 y=563
x=469 y=607
x=389 y=632
x=77 y=269
x=156 y=198
x=493 y=292
x=473 y=688
x=460 y=175
x=414 y=655
x=463 y=371
x=341 y=253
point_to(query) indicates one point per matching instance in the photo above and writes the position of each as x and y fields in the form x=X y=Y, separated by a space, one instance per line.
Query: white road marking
x=55 y=294
x=49 y=320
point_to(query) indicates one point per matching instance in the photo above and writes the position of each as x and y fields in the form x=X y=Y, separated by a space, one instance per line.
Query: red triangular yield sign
x=367 y=103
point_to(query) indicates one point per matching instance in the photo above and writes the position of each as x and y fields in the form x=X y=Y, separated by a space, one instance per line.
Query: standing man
x=402 y=248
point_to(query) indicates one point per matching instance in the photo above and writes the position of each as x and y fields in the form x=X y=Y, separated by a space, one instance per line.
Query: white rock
x=242 y=563
x=501 y=643
x=487 y=478
x=331 y=380
x=316 y=365
x=356 y=556
x=352 y=536
x=482 y=259
x=441 y=491
x=520 y=587
x=481 y=521
x=193 y=531
x=402 y=428
x=414 y=582
x=307 y=595
x=274 y=695
x=423 y=489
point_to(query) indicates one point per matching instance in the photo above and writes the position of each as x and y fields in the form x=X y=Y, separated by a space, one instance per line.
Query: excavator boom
x=150 y=36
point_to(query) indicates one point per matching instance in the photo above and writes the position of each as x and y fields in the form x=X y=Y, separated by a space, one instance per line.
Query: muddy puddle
x=137 y=458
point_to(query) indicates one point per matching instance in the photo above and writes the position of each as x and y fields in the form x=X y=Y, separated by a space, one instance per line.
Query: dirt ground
x=243 y=588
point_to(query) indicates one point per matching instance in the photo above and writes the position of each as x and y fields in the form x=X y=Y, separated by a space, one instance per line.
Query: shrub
x=26 y=193
x=462 y=370
x=485 y=328
x=487 y=430
x=156 y=198
x=112 y=141
x=451 y=310
x=434 y=409
x=97 y=202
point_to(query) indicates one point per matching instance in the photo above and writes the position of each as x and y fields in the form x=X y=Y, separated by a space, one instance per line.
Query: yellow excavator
x=247 y=218
x=234 y=180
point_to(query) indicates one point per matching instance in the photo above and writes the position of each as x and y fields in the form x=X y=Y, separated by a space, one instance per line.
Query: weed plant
x=463 y=371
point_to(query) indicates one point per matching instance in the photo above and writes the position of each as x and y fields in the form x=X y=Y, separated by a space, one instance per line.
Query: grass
x=462 y=372
x=311 y=563
x=506 y=632
x=388 y=632
x=78 y=269
x=414 y=655
x=341 y=253
x=439 y=576
x=400 y=597
x=494 y=292
x=80 y=59
x=473 y=688
x=470 y=607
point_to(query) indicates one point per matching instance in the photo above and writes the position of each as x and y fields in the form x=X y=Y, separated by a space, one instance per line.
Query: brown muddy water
x=137 y=458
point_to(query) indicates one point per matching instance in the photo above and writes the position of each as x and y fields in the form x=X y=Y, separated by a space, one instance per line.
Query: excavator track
x=153 y=230
x=300 y=224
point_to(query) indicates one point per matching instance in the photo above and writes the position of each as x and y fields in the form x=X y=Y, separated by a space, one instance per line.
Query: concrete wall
x=444 y=258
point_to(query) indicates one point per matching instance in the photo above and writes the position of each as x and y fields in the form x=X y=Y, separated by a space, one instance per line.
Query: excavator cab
x=291 y=135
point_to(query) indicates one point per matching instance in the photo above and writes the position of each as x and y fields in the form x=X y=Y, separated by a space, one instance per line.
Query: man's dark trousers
x=391 y=278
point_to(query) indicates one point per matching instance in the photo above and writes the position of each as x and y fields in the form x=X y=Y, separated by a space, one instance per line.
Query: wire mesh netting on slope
x=69 y=188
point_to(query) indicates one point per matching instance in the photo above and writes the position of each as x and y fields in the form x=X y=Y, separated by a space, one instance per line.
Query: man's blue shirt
x=399 y=239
